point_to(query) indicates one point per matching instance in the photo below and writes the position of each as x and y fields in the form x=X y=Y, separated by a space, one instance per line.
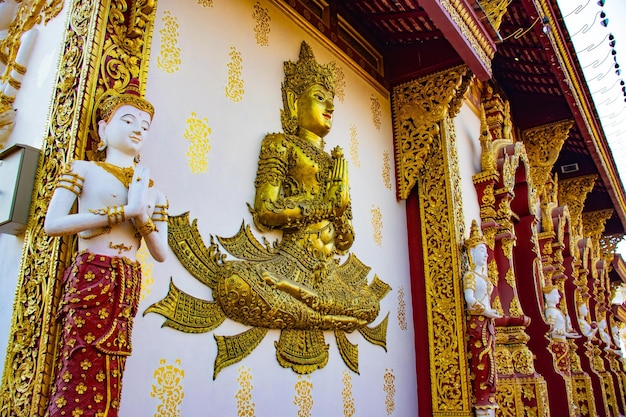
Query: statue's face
x=126 y=130
x=553 y=296
x=315 y=108
x=479 y=255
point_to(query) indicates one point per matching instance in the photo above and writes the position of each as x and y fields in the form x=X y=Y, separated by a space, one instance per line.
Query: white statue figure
x=588 y=329
x=12 y=72
x=560 y=329
x=603 y=329
x=480 y=325
x=118 y=208
x=615 y=331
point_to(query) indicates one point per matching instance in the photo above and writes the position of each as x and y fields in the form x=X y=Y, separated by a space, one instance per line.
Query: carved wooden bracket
x=418 y=108
x=543 y=145
x=573 y=192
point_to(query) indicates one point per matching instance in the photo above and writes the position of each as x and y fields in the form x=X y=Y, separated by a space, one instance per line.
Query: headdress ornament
x=131 y=96
x=306 y=72
x=476 y=236
x=548 y=288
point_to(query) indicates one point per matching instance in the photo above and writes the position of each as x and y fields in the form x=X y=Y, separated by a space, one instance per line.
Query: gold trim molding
x=426 y=140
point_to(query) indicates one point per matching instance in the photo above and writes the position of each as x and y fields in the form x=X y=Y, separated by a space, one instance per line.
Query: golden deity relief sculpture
x=296 y=285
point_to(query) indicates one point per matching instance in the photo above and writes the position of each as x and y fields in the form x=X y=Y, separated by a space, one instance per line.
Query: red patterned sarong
x=482 y=341
x=100 y=300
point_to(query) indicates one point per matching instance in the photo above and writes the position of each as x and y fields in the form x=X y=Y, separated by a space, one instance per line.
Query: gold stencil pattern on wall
x=377 y=114
x=169 y=55
x=261 y=17
x=197 y=133
x=168 y=389
x=377 y=225
x=304 y=397
x=245 y=406
x=234 y=89
x=346 y=393
x=401 y=309
x=354 y=147
x=205 y=3
x=390 y=389
x=340 y=88
x=147 y=279
x=387 y=169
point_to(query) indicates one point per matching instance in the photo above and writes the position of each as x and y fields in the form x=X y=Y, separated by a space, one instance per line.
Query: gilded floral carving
x=168 y=389
x=168 y=59
x=235 y=86
x=197 y=134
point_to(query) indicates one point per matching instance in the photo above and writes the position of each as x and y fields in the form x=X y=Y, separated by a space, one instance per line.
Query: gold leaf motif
x=262 y=19
x=234 y=89
x=377 y=225
x=354 y=147
x=389 y=387
x=303 y=398
x=245 y=405
x=205 y=3
x=386 y=173
x=340 y=88
x=376 y=111
x=147 y=279
x=197 y=133
x=401 y=309
x=515 y=309
x=346 y=393
x=168 y=389
x=169 y=55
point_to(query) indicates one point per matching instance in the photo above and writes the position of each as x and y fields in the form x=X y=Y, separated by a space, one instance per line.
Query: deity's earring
x=101 y=145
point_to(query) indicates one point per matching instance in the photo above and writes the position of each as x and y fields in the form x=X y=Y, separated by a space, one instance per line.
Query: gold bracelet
x=71 y=181
x=146 y=228
x=114 y=214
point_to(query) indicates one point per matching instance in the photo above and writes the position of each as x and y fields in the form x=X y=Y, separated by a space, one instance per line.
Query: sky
x=601 y=46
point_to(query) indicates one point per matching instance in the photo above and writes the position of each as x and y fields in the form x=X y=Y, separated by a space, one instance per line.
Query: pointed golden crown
x=476 y=236
x=306 y=72
x=131 y=97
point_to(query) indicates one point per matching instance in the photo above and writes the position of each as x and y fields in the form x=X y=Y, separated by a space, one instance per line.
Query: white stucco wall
x=217 y=198
x=32 y=103
x=467 y=125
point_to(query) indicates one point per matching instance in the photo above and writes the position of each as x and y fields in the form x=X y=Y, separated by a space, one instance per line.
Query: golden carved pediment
x=419 y=106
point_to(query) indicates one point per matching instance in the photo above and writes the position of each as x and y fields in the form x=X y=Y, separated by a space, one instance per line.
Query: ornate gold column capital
x=543 y=144
x=419 y=106
x=573 y=192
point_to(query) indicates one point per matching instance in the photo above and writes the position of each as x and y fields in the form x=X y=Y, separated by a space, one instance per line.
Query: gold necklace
x=124 y=175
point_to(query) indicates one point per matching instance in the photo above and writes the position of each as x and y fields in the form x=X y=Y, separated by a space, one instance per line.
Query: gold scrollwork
x=543 y=145
x=573 y=192
x=419 y=106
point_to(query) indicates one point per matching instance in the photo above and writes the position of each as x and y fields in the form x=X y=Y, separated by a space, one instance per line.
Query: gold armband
x=160 y=213
x=146 y=228
x=71 y=181
x=115 y=214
